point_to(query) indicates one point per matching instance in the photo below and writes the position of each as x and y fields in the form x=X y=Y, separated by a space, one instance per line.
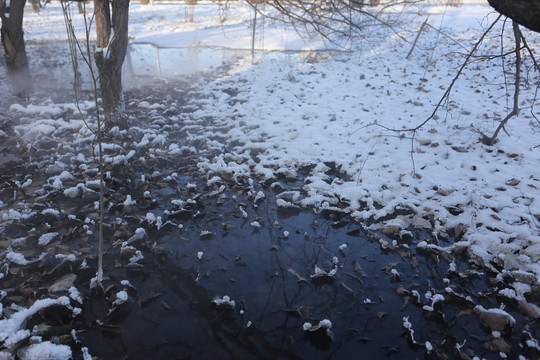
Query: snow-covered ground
x=335 y=111
x=318 y=108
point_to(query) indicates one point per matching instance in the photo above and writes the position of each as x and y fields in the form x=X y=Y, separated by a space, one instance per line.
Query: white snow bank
x=46 y=351
x=11 y=331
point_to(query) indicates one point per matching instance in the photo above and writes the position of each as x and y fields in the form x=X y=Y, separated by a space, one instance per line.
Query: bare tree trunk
x=110 y=57
x=13 y=43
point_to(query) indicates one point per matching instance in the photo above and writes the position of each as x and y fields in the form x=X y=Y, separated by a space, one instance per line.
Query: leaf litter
x=50 y=217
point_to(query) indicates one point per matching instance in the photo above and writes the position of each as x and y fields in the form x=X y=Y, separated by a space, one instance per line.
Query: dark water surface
x=267 y=274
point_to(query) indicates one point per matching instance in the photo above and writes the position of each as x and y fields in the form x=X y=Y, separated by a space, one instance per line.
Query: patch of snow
x=13 y=214
x=46 y=351
x=10 y=328
x=17 y=258
x=321 y=273
x=121 y=297
x=27 y=183
x=225 y=300
x=407 y=325
x=47 y=238
x=147 y=105
x=205 y=233
x=75 y=295
x=138 y=256
x=86 y=353
x=70 y=257
x=129 y=201
x=56 y=181
x=260 y=195
x=244 y=213
x=429 y=347
x=140 y=234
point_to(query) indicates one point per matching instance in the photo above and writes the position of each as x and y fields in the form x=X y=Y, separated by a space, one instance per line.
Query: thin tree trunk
x=102 y=15
x=110 y=57
x=13 y=43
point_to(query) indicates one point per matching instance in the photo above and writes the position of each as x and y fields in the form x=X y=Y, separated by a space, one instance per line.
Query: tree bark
x=110 y=57
x=13 y=43
x=524 y=12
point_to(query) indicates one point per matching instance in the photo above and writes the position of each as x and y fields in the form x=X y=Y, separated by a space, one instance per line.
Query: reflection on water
x=267 y=269
x=150 y=61
x=53 y=74
x=144 y=60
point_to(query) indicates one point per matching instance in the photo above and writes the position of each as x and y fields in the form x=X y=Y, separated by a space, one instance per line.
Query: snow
x=336 y=113
x=17 y=258
x=129 y=201
x=121 y=297
x=320 y=273
x=140 y=233
x=46 y=351
x=47 y=238
x=138 y=256
x=70 y=257
x=407 y=325
x=225 y=300
x=86 y=354
x=56 y=181
x=75 y=295
x=52 y=212
x=13 y=214
x=10 y=328
x=500 y=312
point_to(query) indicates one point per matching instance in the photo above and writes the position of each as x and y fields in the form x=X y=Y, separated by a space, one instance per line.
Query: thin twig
x=446 y=36
x=537 y=67
x=416 y=38
x=449 y=89
x=515 y=109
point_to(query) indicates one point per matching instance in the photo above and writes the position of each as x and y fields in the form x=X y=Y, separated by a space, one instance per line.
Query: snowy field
x=335 y=110
x=344 y=114
x=293 y=113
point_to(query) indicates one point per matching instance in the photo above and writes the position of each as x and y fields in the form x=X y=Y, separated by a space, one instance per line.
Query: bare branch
x=515 y=110
x=449 y=89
